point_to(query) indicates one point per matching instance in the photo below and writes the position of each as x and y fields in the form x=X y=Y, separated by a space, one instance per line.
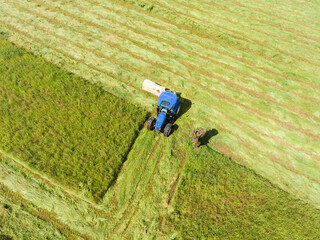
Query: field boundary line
x=47 y=180
x=70 y=56
x=43 y=214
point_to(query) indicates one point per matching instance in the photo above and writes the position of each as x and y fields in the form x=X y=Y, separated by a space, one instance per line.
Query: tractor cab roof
x=167 y=99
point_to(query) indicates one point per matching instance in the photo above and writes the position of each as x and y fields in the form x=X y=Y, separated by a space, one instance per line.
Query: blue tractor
x=167 y=111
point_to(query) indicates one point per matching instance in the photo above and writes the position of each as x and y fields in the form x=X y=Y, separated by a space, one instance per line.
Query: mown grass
x=20 y=218
x=61 y=124
x=219 y=199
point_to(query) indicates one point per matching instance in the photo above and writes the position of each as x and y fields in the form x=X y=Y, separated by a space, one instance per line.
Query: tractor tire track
x=133 y=197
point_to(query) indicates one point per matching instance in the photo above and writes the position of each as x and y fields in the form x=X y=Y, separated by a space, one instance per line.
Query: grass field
x=62 y=125
x=250 y=70
x=254 y=77
x=167 y=193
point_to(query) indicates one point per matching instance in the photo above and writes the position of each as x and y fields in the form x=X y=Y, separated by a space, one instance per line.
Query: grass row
x=20 y=218
x=61 y=124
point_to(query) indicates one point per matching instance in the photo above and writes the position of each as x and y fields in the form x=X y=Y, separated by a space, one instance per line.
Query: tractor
x=167 y=111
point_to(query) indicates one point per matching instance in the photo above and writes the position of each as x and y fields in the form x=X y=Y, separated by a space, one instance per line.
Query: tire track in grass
x=146 y=190
x=298 y=112
x=173 y=187
x=238 y=35
x=133 y=197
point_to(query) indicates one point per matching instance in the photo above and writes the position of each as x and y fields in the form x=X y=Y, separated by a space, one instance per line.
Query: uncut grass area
x=219 y=199
x=61 y=125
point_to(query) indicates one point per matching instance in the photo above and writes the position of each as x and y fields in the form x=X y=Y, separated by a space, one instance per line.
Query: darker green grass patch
x=219 y=199
x=61 y=124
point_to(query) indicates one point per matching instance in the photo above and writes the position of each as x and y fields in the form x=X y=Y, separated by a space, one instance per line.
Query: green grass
x=17 y=223
x=219 y=199
x=61 y=124
x=250 y=69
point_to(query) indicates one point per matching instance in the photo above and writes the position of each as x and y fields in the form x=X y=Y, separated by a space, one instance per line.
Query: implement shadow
x=208 y=135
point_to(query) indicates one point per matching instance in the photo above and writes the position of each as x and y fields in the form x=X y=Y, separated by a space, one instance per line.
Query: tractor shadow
x=185 y=105
x=208 y=135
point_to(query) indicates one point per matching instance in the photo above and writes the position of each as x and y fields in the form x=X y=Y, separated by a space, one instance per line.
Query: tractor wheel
x=167 y=130
x=151 y=123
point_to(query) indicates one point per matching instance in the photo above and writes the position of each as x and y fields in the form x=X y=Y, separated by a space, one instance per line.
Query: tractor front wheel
x=167 y=130
x=151 y=123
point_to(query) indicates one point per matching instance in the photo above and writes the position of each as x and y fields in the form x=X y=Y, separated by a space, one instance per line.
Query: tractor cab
x=168 y=108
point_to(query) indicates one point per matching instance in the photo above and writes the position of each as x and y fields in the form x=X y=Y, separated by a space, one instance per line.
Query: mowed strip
x=61 y=124
x=230 y=96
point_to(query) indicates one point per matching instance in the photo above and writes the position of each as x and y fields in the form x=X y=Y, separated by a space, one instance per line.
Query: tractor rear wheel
x=167 y=130
x=151 y=123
